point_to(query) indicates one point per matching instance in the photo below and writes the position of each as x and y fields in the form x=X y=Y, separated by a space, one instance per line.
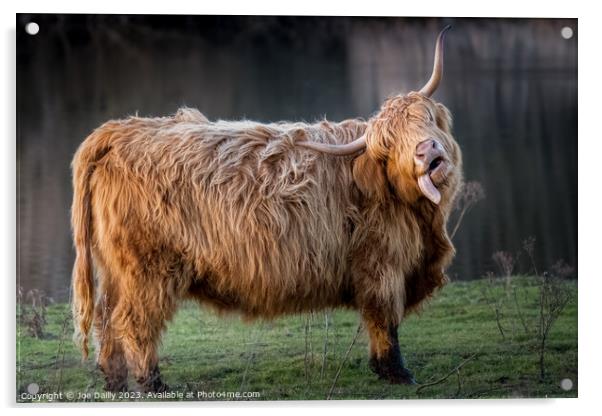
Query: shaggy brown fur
x=236 y=216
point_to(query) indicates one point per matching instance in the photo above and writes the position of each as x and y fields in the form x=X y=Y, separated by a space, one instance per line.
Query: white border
x=590 y=152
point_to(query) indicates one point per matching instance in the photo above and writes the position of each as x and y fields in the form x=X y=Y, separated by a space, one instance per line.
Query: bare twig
x=458 y=222
x=336 y=377
x=520 y=313
x=498 y=319
x=553 y=300
x=306 y=358
x=470 y=194
x=453 y=371
x=61 y=349
x=505 y=261
x=459 y=383
x=494 y=303
x=35 y=316
x=325 y=350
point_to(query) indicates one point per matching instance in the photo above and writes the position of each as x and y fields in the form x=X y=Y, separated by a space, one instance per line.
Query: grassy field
x=298 y=357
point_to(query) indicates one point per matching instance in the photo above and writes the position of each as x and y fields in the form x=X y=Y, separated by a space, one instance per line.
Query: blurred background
x=511 y=85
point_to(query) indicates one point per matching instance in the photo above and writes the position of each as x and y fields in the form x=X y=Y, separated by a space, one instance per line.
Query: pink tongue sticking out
x=428 y=189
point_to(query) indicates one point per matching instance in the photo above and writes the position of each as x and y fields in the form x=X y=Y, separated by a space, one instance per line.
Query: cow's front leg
x=385 y=356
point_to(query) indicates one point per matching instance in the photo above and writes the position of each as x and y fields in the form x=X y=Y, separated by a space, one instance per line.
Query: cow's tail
x=83 y=165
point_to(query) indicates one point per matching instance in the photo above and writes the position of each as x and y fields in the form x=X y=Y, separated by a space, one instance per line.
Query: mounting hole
x=566 y=32
x=33 y=388
x=32 y=28
x=566 y=384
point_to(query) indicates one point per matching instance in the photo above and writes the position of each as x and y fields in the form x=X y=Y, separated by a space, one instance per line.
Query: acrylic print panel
x=221 y=253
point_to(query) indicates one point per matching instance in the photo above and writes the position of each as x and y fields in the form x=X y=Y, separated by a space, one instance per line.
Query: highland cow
x=261 y=219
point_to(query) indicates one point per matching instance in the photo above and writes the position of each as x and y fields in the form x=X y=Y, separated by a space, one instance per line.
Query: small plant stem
x=336 y=377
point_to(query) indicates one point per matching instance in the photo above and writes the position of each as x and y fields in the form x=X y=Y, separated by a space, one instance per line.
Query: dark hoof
x=401 y=377
x=115 y=382
x=161 y=388
x=157 y=386
x=394 y=374
x=153 y=384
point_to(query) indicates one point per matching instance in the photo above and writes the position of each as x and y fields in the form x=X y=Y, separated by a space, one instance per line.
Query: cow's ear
x=369 y=176
x=444 y=118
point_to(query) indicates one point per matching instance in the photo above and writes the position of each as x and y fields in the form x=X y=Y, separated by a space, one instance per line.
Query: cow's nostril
x=424 y=148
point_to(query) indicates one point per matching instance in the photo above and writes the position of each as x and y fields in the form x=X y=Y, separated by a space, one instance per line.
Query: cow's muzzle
x=432 y=166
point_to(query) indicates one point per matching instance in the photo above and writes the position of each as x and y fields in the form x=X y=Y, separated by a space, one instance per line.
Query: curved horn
x=336 y=149
x=433 y=82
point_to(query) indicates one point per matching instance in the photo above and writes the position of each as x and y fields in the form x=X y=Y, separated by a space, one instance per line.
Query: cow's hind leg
x=148 y=296
x=139 y=331
x=141 y=321
x=385 y=355
x=110 y=356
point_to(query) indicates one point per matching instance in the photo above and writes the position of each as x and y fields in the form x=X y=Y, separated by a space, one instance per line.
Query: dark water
x=511 y=85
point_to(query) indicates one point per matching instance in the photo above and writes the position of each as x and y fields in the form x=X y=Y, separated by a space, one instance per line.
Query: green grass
x=207 y=353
